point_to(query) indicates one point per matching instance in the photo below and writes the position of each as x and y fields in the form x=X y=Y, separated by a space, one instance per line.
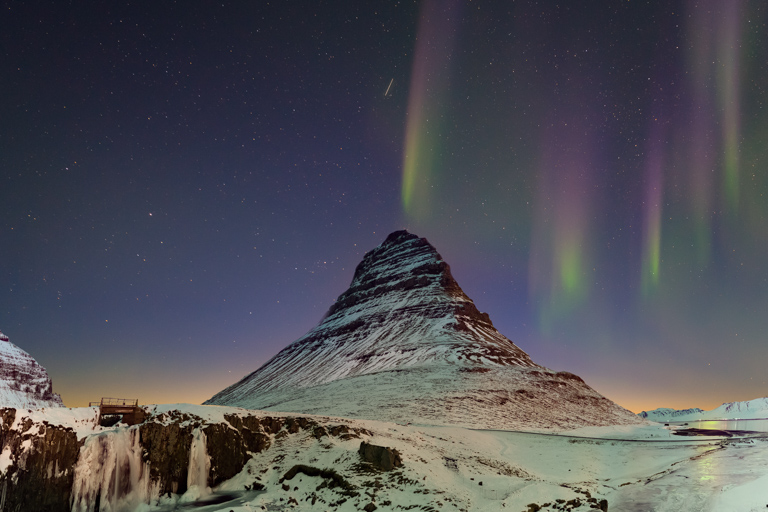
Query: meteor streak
x=389 y=87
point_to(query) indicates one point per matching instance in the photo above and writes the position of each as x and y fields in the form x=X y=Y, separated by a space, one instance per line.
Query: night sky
x=186 y=187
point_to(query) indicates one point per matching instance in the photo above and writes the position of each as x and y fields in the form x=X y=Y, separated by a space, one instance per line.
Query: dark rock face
x=381 y=457
x=40 y=475
x=372 y=277
x=333 y=478
x=167 y=445
x=166 y=448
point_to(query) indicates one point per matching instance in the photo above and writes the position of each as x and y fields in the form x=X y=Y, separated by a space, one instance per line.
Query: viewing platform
x=128 y=408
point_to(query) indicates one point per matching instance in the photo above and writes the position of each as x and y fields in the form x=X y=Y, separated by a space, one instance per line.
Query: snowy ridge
x=23 y=383
x=405 y=341
x=757 y=408
x=666 y=414
x=750 y=409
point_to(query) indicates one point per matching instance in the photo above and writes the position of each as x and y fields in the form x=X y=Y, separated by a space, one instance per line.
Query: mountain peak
x=405 y=264
x=401 y=256
x=404 y=315
x=403 y=308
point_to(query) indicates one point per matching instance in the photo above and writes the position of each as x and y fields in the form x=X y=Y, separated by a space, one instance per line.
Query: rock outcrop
x=381 y=457
x=37 y=463
x=405 y=343
x=23 y=382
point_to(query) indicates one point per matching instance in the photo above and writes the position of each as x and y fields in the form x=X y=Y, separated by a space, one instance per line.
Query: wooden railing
x=128 y=402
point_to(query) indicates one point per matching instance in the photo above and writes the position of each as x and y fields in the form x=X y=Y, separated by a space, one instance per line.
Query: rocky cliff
x=405 y=343
x=37 y=460
x=23 y=382
x=65 y=461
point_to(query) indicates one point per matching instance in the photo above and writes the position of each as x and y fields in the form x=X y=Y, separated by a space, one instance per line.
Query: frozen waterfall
x=199 y=467
x=110 y=475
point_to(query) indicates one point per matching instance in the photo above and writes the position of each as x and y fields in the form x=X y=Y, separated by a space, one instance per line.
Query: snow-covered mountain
x=405 y=343
x=748 y=410
x=663 y=414
x=23 y=383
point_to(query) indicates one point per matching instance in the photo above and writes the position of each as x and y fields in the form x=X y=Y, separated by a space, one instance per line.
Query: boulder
x=381 y=457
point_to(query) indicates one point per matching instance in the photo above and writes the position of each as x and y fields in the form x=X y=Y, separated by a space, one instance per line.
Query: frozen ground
x=446 y=468
x=633 y=467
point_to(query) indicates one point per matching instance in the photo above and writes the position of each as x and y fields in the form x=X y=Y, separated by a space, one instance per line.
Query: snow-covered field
x=632 y=467
x=448 y=468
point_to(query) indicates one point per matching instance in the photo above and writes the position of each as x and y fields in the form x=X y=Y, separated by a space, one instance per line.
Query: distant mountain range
x=404 y=343
x=750 y=409
x=24 y=384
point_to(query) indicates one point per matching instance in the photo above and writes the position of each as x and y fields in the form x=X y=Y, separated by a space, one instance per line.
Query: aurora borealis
x=187 y=188
x=628 y=155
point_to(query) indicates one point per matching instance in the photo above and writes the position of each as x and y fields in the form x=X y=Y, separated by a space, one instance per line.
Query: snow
x=634 y=467
x=82 y=419
x=751 y=409
x=750 y=496
x=383 y=322
x=5 y=459
x=507 y=397
x=23 y=381
x=405 y=343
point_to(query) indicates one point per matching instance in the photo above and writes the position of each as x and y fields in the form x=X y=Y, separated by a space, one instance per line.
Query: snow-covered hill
x=748 y=410
x=405 y=343
x=23 y=383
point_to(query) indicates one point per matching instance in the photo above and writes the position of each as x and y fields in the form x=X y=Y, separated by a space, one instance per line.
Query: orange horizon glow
x=636 y=402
